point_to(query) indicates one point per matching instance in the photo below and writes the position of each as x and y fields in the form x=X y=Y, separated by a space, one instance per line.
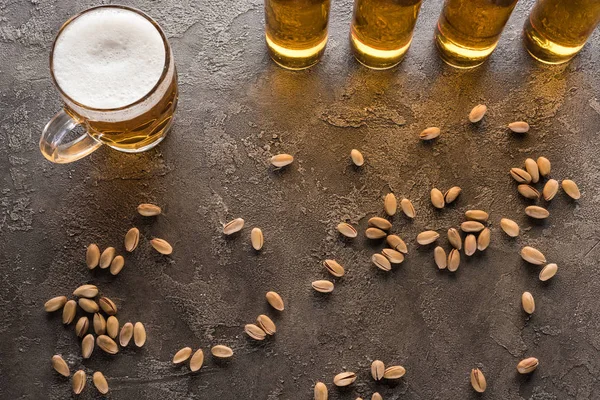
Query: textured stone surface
x=236 y=110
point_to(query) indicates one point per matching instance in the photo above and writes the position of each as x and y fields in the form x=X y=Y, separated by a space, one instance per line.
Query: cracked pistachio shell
x=478 y=380
x=347 y=230
x=344 y=379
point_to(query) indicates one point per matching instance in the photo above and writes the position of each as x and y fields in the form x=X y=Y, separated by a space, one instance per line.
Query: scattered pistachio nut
x=99 y=324
x=533 y=256
x=89 y=291
x=162 y=246
x=375 y=233
x=347 y=230
x=100 y=382
x=394 y=256
x=477 y=113
x=197 y=360
x=148 y=210
x=257 y=239
x=390 y=204
x=132 y=238
x=255 y=332
x=537 y=212
x=88 y=305
x=548 y=272
x=69 y=311
x=112 y=327
x=117 y=265
x=395 y=242
x=439 y=256
x=357 y=157
x=430 y=133
x=408 y=208
x=376 y=396
x=281 y=160
x=60 y=365
x=381 y=262
x=92 y=256
x=82 y=326
x=471 y=226
x=139 y=334
x=478 y=380
x=527 y=365
x=394 y=372
x=451 y=194
x=437 y=198
x=483 y=240
x=427 y=237
x=550 y=189
x=477 y=215
x=126 y=334
x=182 y=355
x=510 y=227
x=87 y=346
x=454 y=238
x=532 y=169
x=380 y=223
x=107 y=344
x=520 y=175
x=266 y=324
x=519 y=127
x=106 y=257
x=320 y=391
x=107 y=305
x=221 y=351
x=527 y=191
x=323 y=286
x=275 y=301
x=528 y=303
x=377 y=370
x=78 y=381
x=344 y=379
x=233 y=226
x=470 y=244
x=544 y=166
x=334 y=268
x=571 y=189
x=453 y=260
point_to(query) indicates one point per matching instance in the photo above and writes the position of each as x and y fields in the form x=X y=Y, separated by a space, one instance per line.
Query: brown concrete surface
x=236 y=110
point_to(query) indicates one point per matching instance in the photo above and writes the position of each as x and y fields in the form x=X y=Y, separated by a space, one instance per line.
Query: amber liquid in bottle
x=296 y=31
x=382 y=30
x=556 y=30
x=468 y=30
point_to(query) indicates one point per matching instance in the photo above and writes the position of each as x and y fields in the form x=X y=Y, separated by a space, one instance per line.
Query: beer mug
x=115 y=73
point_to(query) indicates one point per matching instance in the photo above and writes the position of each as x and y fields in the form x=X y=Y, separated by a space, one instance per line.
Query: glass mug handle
x=52 y=143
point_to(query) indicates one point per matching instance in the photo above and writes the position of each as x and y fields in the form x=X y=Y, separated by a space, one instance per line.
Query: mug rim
x=140 y=100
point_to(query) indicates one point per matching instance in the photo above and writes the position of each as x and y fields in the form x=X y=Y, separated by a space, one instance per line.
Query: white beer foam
x=108 y=58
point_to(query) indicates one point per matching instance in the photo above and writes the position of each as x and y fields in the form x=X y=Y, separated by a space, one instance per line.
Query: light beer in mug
x=114 y=69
